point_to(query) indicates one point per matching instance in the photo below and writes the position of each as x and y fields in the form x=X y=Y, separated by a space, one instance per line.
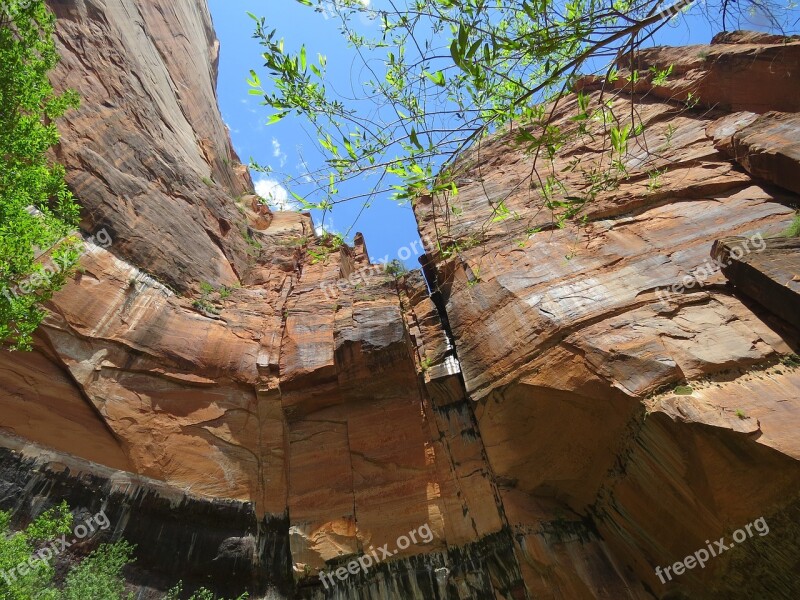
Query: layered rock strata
x=617 y=375
x=563 y=408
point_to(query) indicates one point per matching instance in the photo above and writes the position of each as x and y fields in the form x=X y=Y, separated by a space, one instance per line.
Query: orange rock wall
x=526 y=411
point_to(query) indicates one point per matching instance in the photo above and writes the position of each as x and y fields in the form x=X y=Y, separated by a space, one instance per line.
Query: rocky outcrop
x=147 y=152
x=764 y=145
x=771 y=276
x=562 y=409
x=182 y=536
x=737 y=71
x=617 y=377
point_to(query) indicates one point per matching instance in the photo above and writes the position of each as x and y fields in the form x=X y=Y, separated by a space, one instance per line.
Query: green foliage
x=437 y=76
x=332 y=240
x=794 y=228
x=453 y=72
x=38 y=251
x=395 y=268
x=473 y=276
x=654 y=179
x=202 y=594
x=790 y=360
x=740 y=414
x=204 y=305
x=210 y=298
x=17 y=548
x=669 y=133
x=254 y=244
x=660 y=75
x=619 y=145
x=328 y=243
x=99 y=576
x=318 y=255
x=684 y=390
x=451 y=249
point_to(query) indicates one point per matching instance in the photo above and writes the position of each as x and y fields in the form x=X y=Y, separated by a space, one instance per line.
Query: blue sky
x=289 y=145
x=387 y=226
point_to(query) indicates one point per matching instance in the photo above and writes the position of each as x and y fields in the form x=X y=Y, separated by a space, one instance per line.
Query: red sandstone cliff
x=526 y=411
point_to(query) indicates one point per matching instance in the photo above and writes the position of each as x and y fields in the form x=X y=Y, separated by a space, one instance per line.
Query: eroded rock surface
x=147 y=152
x=771 y=276
x=569 y=408
x=573 y=339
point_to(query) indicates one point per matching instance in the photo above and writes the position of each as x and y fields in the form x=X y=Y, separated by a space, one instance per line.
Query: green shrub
x=38 y=215
x=201 y=594
x=99 y=576
x=17 y=548
x=794 y=228
x=395 y=268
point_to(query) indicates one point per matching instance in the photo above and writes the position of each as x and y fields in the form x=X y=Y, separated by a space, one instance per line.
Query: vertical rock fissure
x=513 y=581
x=431 y=276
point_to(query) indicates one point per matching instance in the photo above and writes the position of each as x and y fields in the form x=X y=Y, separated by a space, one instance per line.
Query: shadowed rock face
x=526 y=412
x=770 y=277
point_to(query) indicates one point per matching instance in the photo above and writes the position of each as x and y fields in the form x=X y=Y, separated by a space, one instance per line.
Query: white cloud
x=321 y=230
x=275 y=194
x=277 y=153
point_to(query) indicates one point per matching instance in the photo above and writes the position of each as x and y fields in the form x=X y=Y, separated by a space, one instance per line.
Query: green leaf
x=437 y=78
x=276 y=117
x=414 y=139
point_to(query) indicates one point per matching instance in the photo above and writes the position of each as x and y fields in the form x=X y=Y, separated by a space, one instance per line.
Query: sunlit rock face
x=524 y=421
x=625 y=392
x=147 y=152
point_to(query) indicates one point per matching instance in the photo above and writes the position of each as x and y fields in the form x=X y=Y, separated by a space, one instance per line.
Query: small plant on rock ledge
x=395 y=268
x=205 y=306
x=654 y=179
x=473 y=277
x=794 y=228
x=328 y=244
x=790 y=360
x=204 y=303
x=176 y=593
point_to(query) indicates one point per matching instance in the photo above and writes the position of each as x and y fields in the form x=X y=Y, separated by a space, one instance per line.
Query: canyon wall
x=529 y=408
